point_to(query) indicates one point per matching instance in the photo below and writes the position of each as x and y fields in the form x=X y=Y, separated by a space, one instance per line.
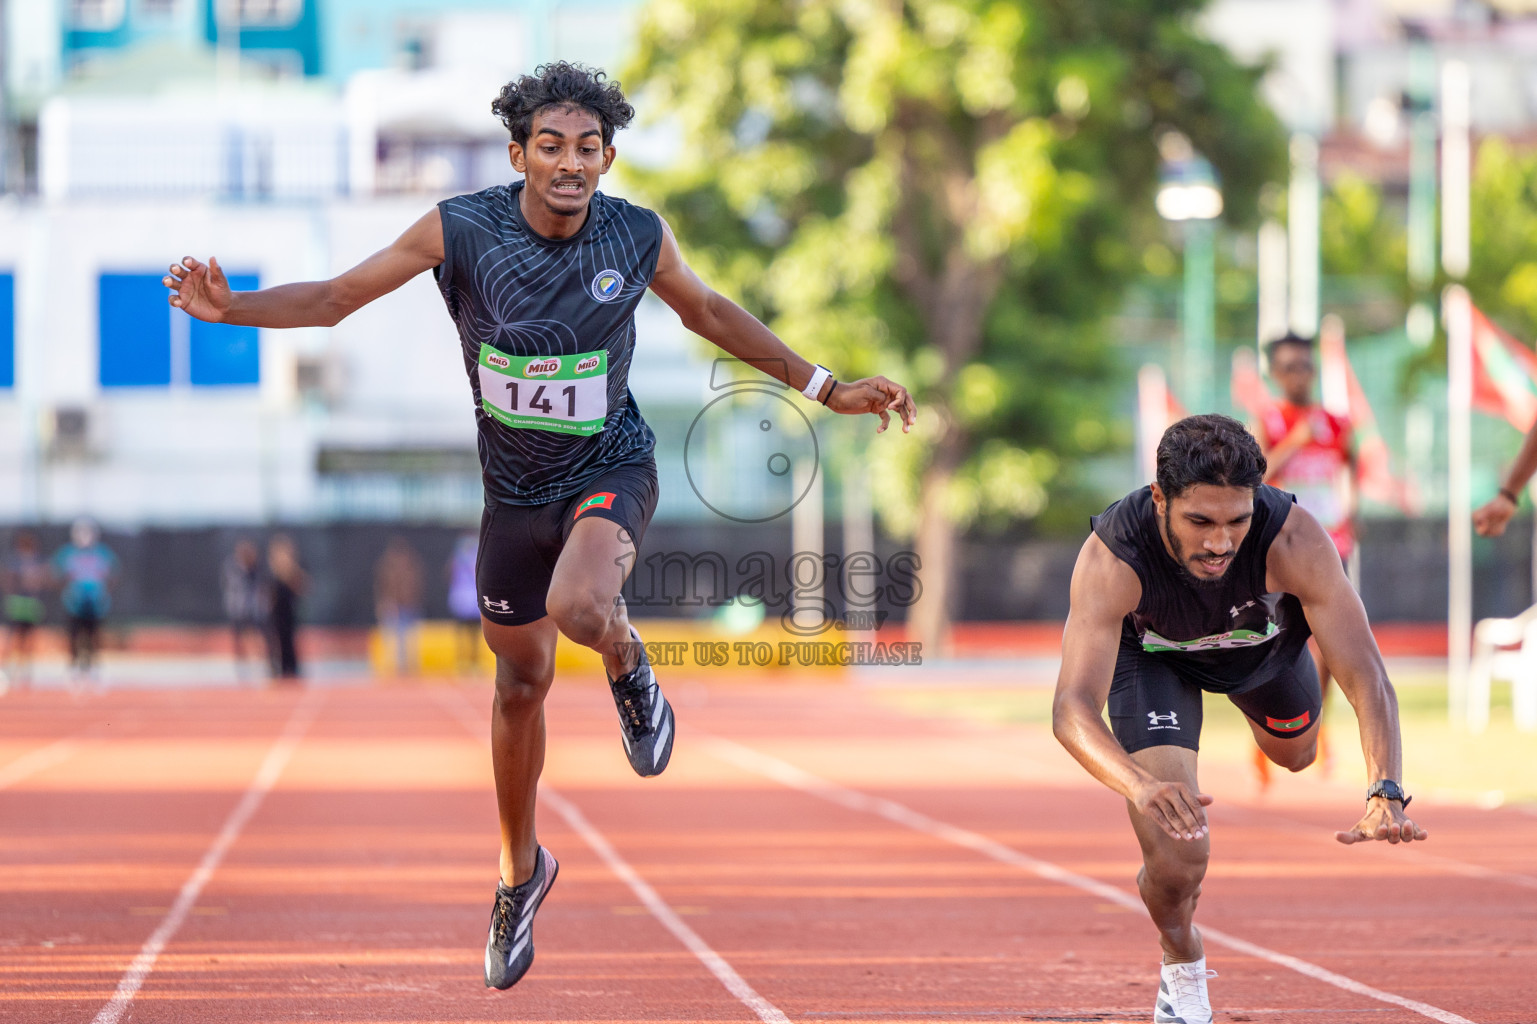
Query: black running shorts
x=1151 y=705
x=519 y=544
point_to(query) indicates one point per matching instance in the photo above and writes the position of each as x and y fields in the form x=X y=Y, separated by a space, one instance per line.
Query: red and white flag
x=1504 y=375
x=1157 y=411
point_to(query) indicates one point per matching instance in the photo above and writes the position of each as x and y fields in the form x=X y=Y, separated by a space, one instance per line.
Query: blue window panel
x=134 y=332
x=7 y=331
x=301 y=36
x=223 y=354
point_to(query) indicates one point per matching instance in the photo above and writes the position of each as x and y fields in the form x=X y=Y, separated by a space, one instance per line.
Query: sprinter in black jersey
x=1210 y=581
x=542 y=278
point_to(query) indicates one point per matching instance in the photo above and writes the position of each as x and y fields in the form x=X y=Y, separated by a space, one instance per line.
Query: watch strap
x=814 y=386
x=1388 y=789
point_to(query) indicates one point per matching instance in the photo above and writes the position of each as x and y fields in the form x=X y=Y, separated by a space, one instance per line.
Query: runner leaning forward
x=1209 y=580
x=542 y=278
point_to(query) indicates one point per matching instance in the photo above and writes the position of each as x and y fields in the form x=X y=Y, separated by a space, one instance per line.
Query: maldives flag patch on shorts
x=1300 y=722
x=603 y=500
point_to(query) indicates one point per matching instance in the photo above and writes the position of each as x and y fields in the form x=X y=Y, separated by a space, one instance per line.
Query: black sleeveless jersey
x=1227 y=636
x=548 y=331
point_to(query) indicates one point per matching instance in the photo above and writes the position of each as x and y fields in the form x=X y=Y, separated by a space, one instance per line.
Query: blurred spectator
x=1312 y=454
x=286 y=586
x=23 y=578
x=398 y=599
x=464 y=603
x=243 y=602
x=86 y=568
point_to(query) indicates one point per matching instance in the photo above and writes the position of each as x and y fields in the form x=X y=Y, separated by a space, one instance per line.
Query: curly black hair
x=1209 y=449
x=562 y=84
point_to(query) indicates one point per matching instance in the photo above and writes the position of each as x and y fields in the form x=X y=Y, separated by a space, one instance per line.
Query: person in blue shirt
x=86 y=569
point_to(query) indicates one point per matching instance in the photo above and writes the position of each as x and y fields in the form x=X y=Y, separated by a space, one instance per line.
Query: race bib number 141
x=568 y=394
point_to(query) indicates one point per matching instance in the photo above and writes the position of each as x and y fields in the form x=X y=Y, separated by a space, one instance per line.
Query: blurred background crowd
x=1061 y=223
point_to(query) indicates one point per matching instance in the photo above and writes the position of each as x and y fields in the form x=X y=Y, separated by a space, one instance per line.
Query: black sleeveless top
x=1227 y=636
x=541 y=322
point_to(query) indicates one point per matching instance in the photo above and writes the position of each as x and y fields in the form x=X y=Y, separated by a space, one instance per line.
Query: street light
x=1190 y=195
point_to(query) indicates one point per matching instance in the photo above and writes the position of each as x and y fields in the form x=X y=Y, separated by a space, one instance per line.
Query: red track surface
x=358 y=888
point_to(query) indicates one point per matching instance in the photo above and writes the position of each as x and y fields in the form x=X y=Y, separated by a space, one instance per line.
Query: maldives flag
x=1374 y=462
x=1157 y=411
x=1247 y=389
x=1504 y=375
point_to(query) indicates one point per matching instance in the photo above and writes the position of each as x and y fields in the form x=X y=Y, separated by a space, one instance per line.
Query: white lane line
x=796 y=778
x=266 y=777
x=713 y=962
x=39 y=760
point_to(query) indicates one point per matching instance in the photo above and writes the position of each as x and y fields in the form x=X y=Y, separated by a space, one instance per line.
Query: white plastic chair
x=1505 y=649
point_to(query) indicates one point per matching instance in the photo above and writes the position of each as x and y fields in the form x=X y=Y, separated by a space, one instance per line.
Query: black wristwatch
x=1389 y=789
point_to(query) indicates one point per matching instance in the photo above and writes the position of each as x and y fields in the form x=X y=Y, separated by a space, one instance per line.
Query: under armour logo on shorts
x=1153 y=718
x=497 y=606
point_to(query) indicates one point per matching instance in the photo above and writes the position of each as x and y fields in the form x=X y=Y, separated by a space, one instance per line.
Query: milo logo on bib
x=567 y=394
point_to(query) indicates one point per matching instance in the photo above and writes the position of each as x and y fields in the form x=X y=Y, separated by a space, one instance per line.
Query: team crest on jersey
x=607 y=285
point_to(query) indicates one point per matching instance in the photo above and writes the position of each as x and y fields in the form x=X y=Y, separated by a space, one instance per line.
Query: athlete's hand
x=1490 y=520
x=1173 y=807
x=199 y=288
x=1384 y=819
x=874 y=395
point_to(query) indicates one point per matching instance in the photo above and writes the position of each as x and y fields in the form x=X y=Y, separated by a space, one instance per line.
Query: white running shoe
x=1182 y=994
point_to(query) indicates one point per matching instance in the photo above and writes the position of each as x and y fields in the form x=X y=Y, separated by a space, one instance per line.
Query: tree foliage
x=1502 y=277
x=950 y=192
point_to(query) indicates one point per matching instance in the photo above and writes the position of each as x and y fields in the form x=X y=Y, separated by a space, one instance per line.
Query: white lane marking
x=39 y=760
x=713 y=962
x=266 y=777
x=796 y=778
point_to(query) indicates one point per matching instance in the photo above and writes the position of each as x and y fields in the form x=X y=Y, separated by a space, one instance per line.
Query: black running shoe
x=645 y=717
x=510 y=945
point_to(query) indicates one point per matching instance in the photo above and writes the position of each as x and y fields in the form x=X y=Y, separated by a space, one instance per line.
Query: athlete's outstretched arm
x=1104 y=591
x=722 y=322
x=1303 y=562
x=203 y=291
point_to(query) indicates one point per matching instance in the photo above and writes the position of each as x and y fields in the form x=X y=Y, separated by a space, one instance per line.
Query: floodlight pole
x=1455 y=251
x=1200 y=313
x=1458 y=309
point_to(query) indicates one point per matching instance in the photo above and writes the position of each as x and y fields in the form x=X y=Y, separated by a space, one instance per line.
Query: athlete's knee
x=584 y=617
x=521 y=687
x=1178 y=876
x=1296 y=755
x=1296 y=760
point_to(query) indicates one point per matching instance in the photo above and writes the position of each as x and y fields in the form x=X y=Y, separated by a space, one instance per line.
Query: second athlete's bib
x=568 y=394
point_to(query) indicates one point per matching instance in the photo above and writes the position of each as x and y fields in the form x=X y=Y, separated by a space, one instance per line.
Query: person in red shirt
x=1311 y=453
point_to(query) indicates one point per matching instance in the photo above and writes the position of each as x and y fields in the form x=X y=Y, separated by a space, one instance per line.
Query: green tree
x=1502 y=277
x=952 y=192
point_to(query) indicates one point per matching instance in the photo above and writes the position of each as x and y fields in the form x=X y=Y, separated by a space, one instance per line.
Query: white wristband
x=818 y=378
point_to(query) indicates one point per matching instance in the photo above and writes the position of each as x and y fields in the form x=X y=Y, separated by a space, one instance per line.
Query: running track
x=810 y=856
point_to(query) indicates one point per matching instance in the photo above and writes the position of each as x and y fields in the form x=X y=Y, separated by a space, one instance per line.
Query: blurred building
x=294 y=137
x=291 y=138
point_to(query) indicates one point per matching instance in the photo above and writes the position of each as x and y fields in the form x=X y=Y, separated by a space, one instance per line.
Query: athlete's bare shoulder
x=1302 y=559
x=1103 y=581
